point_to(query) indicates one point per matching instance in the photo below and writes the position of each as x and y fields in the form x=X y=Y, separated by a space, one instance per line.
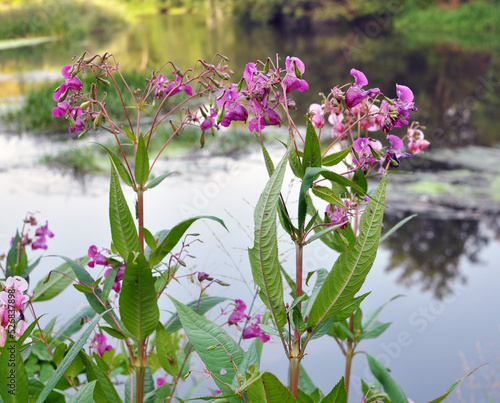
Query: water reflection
x=428 y=251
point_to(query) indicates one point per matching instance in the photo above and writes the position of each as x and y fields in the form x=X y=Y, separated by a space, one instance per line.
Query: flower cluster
x=253 y=329
x=338 y=215
x=370 y=111
x=41 y=234
x=99 y=345
x=97 y=258
x=12 y=303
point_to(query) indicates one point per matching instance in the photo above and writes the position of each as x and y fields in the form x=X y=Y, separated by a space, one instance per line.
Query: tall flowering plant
x=123 y=283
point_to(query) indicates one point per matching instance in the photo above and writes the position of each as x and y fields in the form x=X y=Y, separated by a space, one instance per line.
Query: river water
x=444 y=261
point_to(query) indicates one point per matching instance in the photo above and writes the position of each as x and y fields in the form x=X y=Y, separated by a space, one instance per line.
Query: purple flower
x=44 y=231
x=355 y=94
x=209 y=121
x=96 y=257
x=204 y=276
x=364 y=148
x=165 y=87
x=228 y=99
x=70 y=83
x=160 y=381
x=294 y=67
x=61 y=109
x=239 y=313
x=394 y=152
x=268 y=117
x=338 y=215
x=404 y=102
x=99 y=344
x=253 y=330
x=119 y=277
x=40 y=243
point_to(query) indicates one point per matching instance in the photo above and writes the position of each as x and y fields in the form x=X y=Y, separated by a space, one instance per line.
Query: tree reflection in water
x=427 y=251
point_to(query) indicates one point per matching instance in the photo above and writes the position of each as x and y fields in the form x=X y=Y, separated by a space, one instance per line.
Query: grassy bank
x=64 y=18
x=473 y=25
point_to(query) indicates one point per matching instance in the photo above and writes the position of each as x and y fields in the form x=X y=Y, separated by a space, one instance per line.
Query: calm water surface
x=448 y=321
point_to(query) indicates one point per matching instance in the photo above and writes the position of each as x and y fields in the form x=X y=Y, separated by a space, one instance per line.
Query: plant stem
x=296 y=354
x=140 y=216
x=349 y=356
x=140 y=372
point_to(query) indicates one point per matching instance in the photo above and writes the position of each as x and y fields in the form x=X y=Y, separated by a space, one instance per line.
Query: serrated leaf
x=120 y=168
x=200 y=306
x=264 y=258
x=166 y=351
x=268 y=389
x=204 y=335
x=381 y=372
x=312 y=150
x=337 y=395
x=295 y=164
x=138 y=305
x=454 y=386
x=335 y=158
x=173 y=236
x=13 y=373
x=159 y=179
x=61 y=369
x=351 y=268
x=141 y=169
x=123 y=231
x=396 y=227
x=84 y=394
x=84 y=277
x=55 y=282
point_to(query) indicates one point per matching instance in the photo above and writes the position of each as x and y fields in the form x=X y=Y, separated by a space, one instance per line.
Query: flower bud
x=97 y=120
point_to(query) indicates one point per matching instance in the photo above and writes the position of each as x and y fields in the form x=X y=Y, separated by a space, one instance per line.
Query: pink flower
x=317 y=118
x=364 y=148
x=16 y=283
x=338 y=215
x=99 y=344
x=253 y=330
x=119 y=277
x=239 y=313
x=294 y=67
x=355 y=94
x=160 y=381
x=96 y=257
x=3 y=336
x=164 y=87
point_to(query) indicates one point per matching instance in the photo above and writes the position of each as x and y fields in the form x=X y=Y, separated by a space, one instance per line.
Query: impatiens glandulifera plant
x=138 y=267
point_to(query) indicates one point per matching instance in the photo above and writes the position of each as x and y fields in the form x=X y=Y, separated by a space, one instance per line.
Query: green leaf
x=390 y=386
x=453 y=386
x=396 y=227
x=215 y=347
x=268 y=389
x=335 y=158
x=113 y=332
x=16 y=266
x=120 y=168
x=74 y=324
x=85 y=394
x=123 y=231
x=337 y=395
x=138 y=305
x=200 y=306
x=61 y=369
x=166 y=351
x=141 y=162
x=93 y=300
x=104 y=390
x=360 y=179
x=305 y=382
x=251 y=358
x=312 y=150
x=351 y=268
x=129 y=134
x=321 y=275
x=14 y=378
x=55 y=282
x=149 y=238
x=159 y=179
x=328 y=195
x=264 y=258
x=295 y=164
x=173 y=236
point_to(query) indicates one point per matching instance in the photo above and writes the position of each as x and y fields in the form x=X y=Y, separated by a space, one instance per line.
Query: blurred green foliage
x=68 y=18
